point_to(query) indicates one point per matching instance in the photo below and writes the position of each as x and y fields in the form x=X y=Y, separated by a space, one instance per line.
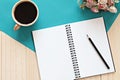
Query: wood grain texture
x=92 y=78
x=0 y=58
x=20 y=63
x=16 y=61
x=114 y=38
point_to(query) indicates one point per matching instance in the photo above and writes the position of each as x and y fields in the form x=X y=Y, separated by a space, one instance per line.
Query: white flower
x=116 y=1
x=112 y=9
x=102 y=1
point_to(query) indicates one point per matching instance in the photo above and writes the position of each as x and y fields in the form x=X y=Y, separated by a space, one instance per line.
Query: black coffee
x=25 y=12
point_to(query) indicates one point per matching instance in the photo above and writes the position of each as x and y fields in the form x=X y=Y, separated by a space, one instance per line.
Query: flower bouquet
x=98 y=5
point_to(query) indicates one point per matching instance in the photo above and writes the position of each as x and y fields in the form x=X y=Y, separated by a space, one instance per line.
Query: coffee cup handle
x=16 y=27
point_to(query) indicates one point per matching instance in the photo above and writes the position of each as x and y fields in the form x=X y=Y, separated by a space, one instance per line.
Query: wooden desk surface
x=19 y=63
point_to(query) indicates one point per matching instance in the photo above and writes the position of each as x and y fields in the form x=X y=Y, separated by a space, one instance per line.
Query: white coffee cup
x=24 y=18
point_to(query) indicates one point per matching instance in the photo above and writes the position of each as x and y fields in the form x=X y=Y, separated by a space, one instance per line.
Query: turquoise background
x=52 y=13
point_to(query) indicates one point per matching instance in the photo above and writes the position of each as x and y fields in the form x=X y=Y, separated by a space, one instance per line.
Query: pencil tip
x=87 y=36
x=108 y=67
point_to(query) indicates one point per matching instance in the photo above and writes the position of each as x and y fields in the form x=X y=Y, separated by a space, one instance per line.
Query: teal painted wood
x=52 y=13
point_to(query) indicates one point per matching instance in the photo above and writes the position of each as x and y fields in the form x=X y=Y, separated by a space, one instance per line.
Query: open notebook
x=65 y=53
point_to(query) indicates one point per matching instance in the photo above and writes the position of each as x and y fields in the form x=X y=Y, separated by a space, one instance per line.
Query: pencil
x=90 y=40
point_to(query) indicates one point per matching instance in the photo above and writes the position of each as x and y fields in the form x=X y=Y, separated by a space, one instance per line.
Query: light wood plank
x=93 y=78
x=5 y=58
x=114 y=37
x=18 y=62
x=0 y=58
x=13 y=59
x=32 y=67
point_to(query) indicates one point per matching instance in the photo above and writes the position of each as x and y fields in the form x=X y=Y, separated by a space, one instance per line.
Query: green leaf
x=82 y=6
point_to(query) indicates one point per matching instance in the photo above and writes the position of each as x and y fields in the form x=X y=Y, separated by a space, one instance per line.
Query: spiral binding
x=72 y=51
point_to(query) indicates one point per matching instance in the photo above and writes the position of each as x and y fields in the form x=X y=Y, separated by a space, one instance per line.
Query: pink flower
x=94 y=9
x=91 y=3
x=102 y=6
x=96 y=5
x=110 y=2
x=88 y=5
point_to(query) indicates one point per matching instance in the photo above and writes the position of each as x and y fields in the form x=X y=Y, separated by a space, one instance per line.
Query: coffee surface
x=25 y=13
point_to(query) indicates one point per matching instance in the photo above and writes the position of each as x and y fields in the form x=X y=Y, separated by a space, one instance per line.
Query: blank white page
x=90 y=63
x=53 y=54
